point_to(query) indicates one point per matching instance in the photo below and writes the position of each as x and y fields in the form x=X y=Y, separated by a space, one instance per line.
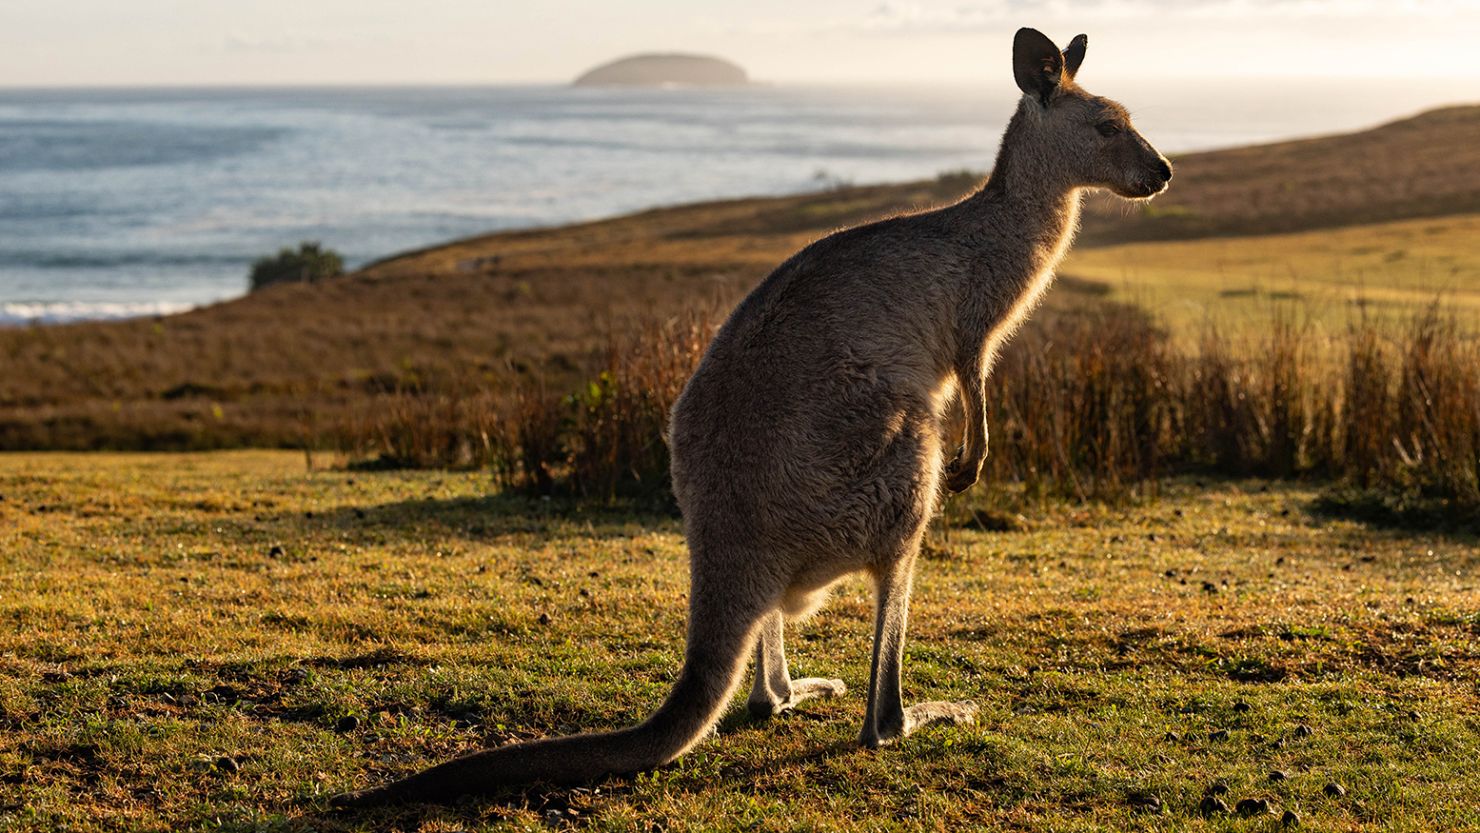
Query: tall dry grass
x=1261 y=408
x=1081 y=402
x=602 y=441
x=1091 y=401
x=1436 y=428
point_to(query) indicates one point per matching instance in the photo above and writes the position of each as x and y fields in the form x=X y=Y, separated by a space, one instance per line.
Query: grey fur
x=809 y=446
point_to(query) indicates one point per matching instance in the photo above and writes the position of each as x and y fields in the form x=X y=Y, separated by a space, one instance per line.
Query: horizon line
x=760 y=83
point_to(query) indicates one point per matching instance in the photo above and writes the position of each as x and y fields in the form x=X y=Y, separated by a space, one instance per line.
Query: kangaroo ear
x=1074 y=55
x=1037 y=64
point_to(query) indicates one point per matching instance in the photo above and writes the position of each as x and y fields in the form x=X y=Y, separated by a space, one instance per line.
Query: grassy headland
x=292 y=364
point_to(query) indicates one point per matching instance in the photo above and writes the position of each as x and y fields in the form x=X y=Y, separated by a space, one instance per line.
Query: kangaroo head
x=1082 y=138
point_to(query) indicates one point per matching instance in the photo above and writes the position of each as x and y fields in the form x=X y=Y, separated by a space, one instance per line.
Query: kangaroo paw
x=923 y=714
x=919 y=715
x=801 y=691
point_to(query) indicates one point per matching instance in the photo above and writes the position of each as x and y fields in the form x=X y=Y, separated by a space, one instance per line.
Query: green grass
x=166 y=613
x=1326 y=278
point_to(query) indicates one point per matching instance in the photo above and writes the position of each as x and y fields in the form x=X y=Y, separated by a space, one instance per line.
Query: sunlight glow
x=102 y=42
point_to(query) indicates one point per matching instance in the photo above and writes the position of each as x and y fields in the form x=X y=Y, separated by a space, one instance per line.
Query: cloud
x=281 y=43
x=917 y=18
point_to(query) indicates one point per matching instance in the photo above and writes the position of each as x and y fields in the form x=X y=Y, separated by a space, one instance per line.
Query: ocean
x=123 y=202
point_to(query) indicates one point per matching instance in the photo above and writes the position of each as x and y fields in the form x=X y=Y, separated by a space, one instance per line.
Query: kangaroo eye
x=1107 y=128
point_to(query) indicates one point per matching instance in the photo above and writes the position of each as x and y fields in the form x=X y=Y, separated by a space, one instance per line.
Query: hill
x=1424 y=166
x=268 y=368
x=656 y=70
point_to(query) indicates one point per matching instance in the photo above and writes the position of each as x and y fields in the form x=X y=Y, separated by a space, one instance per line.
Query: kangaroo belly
x=851 y=475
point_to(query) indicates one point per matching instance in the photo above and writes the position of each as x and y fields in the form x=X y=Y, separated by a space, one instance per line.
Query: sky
x=244 y=42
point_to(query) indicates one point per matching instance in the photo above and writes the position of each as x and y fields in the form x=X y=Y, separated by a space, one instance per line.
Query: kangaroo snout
x=1150 y=181
x=1160 y=176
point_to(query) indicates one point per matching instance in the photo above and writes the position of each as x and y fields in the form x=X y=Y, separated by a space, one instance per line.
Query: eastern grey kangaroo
x=808 y=445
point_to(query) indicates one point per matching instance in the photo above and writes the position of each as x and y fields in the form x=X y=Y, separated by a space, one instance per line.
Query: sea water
x=118 y=202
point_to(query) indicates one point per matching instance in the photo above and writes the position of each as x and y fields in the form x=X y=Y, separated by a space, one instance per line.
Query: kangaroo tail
x=713 y=663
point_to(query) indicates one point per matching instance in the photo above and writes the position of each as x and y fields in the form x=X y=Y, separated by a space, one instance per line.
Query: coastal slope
x=267 y=369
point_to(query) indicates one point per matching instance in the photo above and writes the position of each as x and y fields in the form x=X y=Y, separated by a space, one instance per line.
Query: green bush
x=309 y=263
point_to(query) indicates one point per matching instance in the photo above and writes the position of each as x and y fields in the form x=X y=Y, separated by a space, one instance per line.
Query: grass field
x=1325 y=277
x=221 y=641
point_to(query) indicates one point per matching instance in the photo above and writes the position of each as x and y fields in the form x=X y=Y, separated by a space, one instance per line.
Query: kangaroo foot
x=921 y=714
x=801 y=690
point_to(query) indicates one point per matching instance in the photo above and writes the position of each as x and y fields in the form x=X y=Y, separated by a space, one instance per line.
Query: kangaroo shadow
x=1400 y=514
x=489 y=517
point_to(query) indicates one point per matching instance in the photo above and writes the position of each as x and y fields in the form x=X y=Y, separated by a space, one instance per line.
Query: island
x=659 y=70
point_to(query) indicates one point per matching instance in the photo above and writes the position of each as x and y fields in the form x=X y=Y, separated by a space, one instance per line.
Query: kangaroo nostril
x=1166 y=171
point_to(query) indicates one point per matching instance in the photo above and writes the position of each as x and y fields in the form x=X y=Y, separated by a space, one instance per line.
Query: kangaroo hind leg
x=886 y=718
x=775 y=691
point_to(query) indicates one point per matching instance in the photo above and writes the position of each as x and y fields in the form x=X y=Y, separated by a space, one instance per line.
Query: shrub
x=605 y=441
x=622 y=416
x=309 y=263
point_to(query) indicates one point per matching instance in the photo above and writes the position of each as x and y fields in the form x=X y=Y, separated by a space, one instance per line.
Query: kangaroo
x=809 y=443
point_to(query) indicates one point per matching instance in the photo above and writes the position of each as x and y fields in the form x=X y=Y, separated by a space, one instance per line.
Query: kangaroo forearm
x=973 y=401
x=971 y=374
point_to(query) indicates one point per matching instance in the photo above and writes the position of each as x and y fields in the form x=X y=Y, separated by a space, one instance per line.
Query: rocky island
x=658 y=70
